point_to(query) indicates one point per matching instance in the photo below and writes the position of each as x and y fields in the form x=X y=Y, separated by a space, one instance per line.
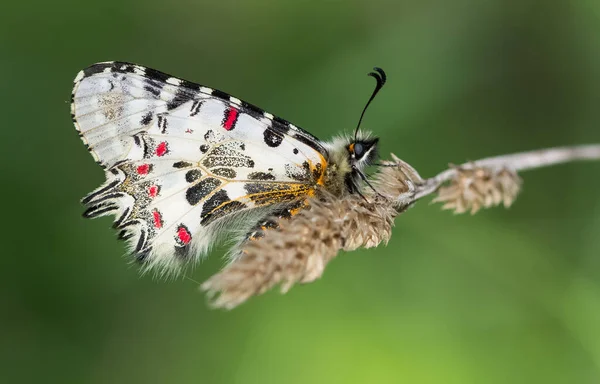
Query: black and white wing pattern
x=185 y=163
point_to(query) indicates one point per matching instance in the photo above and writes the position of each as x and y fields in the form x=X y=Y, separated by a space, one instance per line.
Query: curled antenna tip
x=379 y=74
x=380 y=77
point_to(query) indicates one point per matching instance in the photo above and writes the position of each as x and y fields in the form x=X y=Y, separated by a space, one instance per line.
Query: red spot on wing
x=161 y=148
x=184 y=235
x=230 y=119
x=143 y=169
x=158 y=223
x=153 y=191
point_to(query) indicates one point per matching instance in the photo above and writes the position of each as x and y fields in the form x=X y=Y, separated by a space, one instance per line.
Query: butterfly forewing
x=181 y=159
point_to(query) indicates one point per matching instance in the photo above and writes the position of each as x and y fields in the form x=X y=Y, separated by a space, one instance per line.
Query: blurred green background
x=506 y=296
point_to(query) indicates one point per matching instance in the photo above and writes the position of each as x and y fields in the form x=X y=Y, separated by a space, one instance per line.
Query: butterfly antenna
x=380 y=77
x=364 y=178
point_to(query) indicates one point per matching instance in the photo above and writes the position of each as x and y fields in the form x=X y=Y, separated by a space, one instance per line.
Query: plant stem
x=517 y=161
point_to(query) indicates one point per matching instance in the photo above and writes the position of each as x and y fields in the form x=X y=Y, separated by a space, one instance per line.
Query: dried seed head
x=475 y=187
x=299 y=250
x=397 y=181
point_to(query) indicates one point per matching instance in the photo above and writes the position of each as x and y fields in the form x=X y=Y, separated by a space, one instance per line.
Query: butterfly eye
x=358 y=150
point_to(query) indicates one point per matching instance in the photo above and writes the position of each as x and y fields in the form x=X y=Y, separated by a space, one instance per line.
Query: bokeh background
x=506 y=296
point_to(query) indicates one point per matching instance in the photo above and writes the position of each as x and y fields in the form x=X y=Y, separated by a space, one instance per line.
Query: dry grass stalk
x=516 y=161
x=299 y=250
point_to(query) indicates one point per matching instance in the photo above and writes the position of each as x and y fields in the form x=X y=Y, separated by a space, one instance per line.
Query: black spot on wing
x=281 y=121
x=193 y=175
x=227 y=160
x=97 y=68
x=182 y=164
x=162 y=123
x=137 y=139
x=235 y=162
x=272 y=138
x=182 y=95
x=224 y=172
x=190 y=85
x=280 y=125
x=260 y=176
x=217 y=206
x=196 y=107
x=153 y=87
x=146 y=119
x=153 y=74
x=252 y=110
x=199 y=191
x=220 y=94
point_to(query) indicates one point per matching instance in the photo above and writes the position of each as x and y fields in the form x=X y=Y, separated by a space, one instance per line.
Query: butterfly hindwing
x=181 y=159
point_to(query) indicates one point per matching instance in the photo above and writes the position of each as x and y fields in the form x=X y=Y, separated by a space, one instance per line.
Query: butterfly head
x=352 y=155
x=362 y=152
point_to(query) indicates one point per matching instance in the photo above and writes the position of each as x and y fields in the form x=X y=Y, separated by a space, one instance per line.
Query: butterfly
x=187 y=166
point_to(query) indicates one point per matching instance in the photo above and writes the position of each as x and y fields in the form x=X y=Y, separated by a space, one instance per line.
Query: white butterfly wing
x=181 y=159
